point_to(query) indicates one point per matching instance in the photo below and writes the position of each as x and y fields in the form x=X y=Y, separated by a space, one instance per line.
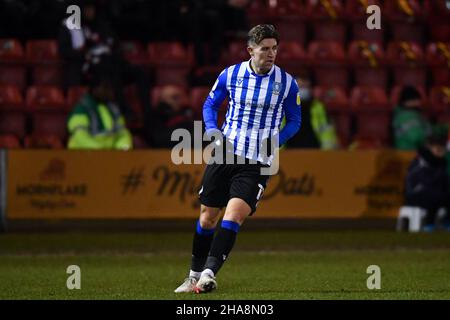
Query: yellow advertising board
x=63 y=184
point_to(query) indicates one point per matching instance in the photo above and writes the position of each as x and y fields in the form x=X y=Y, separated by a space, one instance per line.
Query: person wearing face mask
x=316 y=132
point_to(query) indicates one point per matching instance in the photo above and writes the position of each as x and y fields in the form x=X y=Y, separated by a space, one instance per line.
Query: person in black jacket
x=95 y=49
x=427 y=181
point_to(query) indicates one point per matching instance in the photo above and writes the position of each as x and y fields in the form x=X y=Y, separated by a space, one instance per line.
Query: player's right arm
x=213 y=102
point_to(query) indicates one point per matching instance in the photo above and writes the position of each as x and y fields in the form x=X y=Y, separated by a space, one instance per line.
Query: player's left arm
x=292 y=110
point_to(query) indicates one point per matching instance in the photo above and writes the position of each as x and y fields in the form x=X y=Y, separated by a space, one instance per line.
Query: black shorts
x=222 y=182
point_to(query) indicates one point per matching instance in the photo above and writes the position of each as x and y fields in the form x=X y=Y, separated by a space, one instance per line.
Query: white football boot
x=207 y=283
x=187 y=286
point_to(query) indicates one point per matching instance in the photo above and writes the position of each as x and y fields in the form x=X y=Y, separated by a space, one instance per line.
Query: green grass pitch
x=263 y=265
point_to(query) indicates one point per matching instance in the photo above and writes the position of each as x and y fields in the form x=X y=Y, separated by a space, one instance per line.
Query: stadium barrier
x=3 y=173
x=63 y=184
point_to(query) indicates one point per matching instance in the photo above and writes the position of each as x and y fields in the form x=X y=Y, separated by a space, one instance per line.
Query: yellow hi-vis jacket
x=94 y=125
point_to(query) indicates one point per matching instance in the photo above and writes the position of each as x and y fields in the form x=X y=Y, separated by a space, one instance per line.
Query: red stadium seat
x=10 y=98
x=360 y=31
x=368 y=98
x=374 y=126
x=43 y=142
x=236 y=53
x=11 y=51
x=404 y=31
x=47 y=75
x=325 y=10
x=292 y=57
x=368 y=62
x=291 y=29
x=172 y=62
x=46 y=64
x=440 y=32
x=42 y=51
x=355 y=10
x=74 y=94
x=403 y=10
x=334 y=97
x=45 y=98
x=257 y=12
x=438 y=58
x=330 y=31
x=197 y=98
x=172 y=75
x=13 y=74
x=50 y=123
x=134 y=52
x=365 y=53
x=286 y=9
x=405 y=53
x=12 y=69
x=438 y=54
x=408 y=63
x=440 y=99
x=436 y=9
x=372 y=112
x=9 y=141
x=441 y=76
x=170 y=53
x=329 y=63
x=326 y=52
x=13 y=122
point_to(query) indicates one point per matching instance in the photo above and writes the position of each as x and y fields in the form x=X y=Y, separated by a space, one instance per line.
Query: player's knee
x=209 y=217
x=237 y=217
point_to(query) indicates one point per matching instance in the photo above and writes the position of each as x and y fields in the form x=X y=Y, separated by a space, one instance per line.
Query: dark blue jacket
x=427 y=177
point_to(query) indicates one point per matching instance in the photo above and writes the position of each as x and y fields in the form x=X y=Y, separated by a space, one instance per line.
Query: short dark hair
x=437 y=139
x=409 y=93
x=261 y=32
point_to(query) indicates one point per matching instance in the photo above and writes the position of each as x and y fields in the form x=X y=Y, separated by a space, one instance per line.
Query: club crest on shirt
x=239 y=81
x=276 y=88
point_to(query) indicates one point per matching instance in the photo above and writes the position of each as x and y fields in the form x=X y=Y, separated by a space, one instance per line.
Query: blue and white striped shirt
x=256 y=106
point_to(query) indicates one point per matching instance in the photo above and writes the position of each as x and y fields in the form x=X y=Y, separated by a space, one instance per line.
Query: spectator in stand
x=316 y=130
x=95 y=49
x=96 y=121
x=172 y=112
x=427 y=181
x=410 y=126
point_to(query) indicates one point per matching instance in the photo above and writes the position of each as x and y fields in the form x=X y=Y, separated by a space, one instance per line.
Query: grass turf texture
x=263 y=265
